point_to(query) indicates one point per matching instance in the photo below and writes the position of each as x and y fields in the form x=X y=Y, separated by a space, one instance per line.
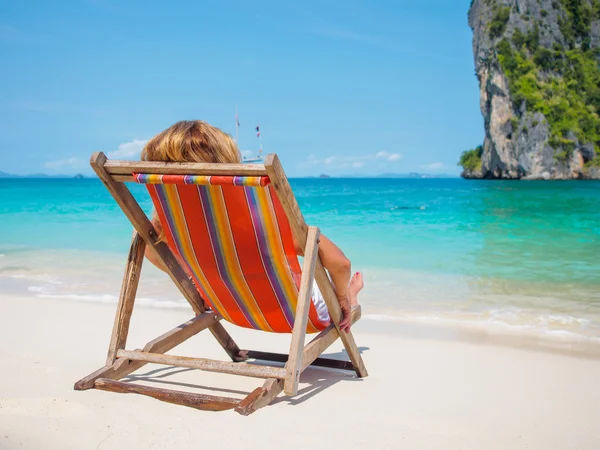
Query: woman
x=197 y=141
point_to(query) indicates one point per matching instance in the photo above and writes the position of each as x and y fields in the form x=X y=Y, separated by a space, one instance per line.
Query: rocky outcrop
x=525 y=51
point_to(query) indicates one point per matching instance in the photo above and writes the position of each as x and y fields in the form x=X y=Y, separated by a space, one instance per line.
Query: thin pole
x=236 y=124
x=259 y=141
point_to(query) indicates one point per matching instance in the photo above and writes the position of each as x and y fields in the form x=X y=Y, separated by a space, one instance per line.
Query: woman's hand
x=346 y=320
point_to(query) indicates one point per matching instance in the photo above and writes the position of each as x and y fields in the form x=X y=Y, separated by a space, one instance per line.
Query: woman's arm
x=340 y=271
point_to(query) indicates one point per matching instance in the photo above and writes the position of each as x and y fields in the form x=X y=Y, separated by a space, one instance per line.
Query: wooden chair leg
x=146 y=230
x=129 y=287
x=336 y=314
x=294 y=363
x=261 y=397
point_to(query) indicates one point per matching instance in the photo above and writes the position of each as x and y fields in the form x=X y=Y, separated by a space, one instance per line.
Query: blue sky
x=337 y=87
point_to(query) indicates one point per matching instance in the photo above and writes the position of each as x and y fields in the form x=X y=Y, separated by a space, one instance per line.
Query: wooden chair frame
x=121 y=363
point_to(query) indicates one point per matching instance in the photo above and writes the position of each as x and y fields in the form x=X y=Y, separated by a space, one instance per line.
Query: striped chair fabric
x=232 y=236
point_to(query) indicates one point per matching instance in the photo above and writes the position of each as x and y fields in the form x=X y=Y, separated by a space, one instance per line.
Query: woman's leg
x=356 y=285
x=339 y=268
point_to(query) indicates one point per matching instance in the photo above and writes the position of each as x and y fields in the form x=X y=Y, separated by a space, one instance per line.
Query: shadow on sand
x=317 y=378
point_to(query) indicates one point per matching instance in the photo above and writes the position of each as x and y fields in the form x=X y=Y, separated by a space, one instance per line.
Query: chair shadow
x=343 y=354
x=317 y=378
x=158 y=375
x=321 y=378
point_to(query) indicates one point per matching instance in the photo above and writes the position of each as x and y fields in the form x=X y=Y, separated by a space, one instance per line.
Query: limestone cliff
x=537 y=62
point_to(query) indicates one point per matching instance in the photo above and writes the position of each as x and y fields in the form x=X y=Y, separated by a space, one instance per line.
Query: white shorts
x=319 y=302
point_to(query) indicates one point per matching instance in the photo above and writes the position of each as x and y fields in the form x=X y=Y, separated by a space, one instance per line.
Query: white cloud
x=128 y=150
x=355 y=162
x=389 y=156
x=65 y=164
x=341 y=160
x=433 y=166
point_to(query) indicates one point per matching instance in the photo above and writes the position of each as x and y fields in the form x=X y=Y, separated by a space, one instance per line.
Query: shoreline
x=486 y=334
x=567 y=315
x=421 y=327
x=453 y=325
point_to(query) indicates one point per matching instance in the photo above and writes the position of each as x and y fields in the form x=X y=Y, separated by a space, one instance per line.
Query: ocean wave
x=9 y=272
x=39 y=289
x=554 y=326
x=113 y=299
x=512 y=321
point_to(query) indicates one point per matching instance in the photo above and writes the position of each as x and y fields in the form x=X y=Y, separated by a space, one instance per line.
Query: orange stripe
x=250 y=259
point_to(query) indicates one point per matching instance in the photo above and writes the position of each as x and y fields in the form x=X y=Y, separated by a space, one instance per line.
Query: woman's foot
x=356 y=285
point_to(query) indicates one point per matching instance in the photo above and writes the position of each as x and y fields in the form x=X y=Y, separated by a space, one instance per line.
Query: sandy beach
x=425 y=390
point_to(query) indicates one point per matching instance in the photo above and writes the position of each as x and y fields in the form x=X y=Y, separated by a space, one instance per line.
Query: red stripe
x=223 y=180
x=200 y=237
x=173 y=179
x=250 y=260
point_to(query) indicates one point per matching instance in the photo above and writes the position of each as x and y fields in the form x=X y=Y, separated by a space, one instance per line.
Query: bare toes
x=357 y=281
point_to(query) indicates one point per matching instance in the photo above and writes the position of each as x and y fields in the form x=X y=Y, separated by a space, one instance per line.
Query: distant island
x=416 y=175
x=411 y=175
x=40 y=175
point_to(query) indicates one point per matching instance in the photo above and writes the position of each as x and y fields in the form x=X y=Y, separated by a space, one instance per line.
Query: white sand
x=423 y=392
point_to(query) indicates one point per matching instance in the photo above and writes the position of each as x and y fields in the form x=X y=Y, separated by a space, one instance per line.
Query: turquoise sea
x=511 y=256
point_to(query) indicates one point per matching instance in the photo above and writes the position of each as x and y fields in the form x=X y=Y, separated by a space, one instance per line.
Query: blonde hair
x=192 y=141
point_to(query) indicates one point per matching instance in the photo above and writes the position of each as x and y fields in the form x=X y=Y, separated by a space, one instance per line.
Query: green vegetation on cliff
x=499 y=21
x=471 y=159
x=562 y=83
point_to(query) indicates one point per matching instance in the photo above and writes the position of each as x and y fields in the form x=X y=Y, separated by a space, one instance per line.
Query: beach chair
x=229 y=249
